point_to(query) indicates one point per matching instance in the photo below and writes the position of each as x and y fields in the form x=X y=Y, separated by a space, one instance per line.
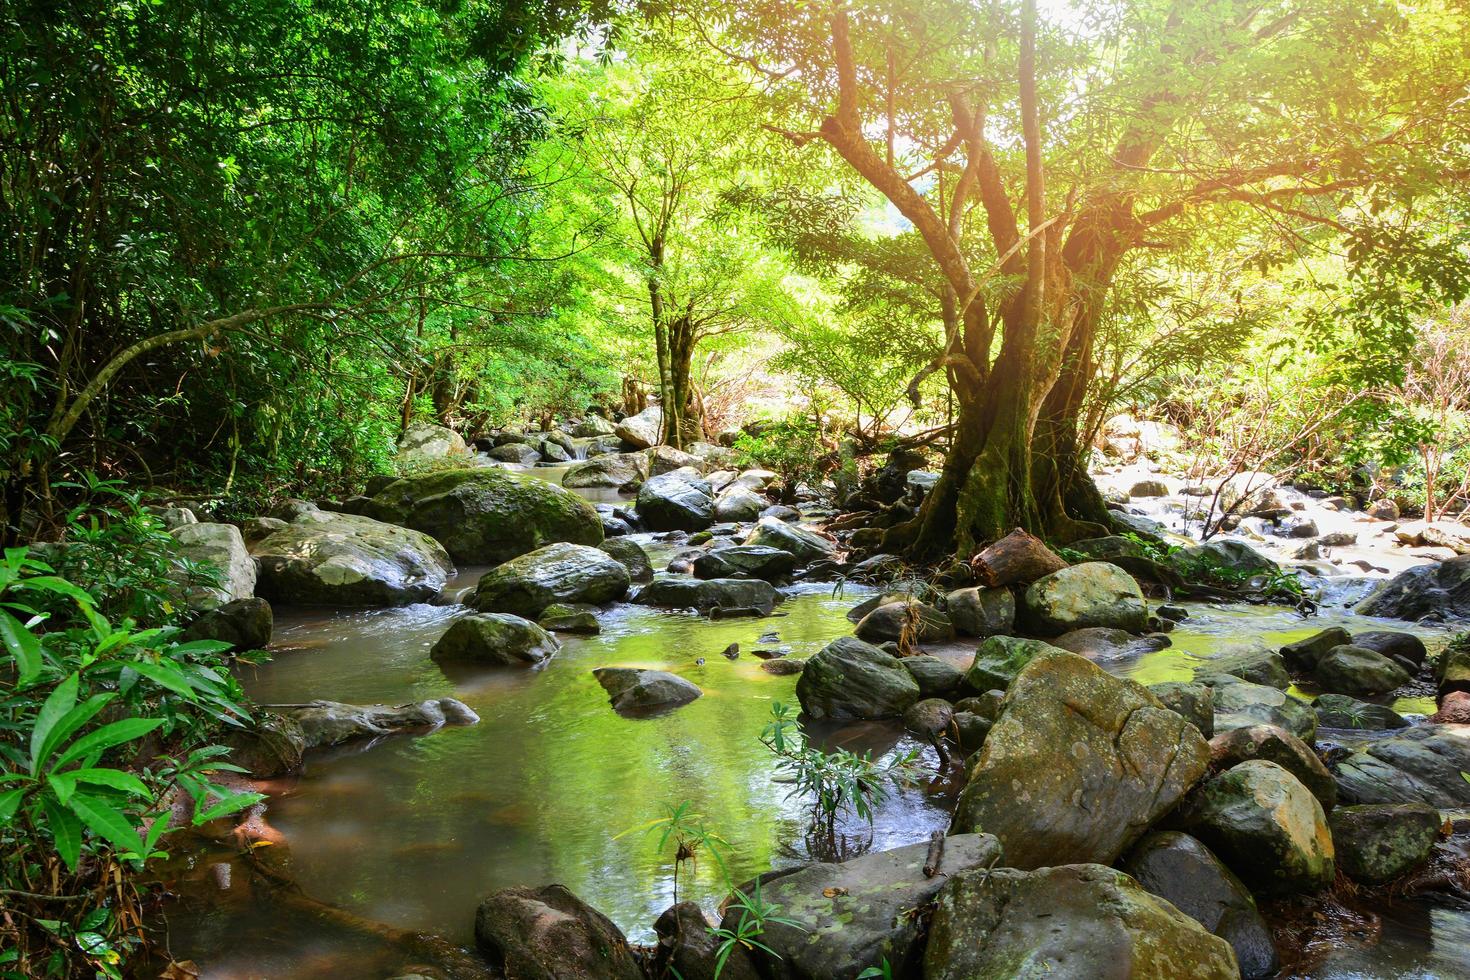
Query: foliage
x=791 y=447
x=755 y=913
x=690 y=835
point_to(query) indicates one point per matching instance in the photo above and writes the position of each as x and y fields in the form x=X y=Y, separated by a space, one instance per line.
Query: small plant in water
x=689 y=835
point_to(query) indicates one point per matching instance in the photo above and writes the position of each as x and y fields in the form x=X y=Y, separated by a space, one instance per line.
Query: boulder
x=592 y=426
x=999 y=659
x=806 y=545
x=1248 y=662
x=1183 y=872
x=632 y=556
x=755 y=479
x=1230 y=749
x=1094 y=593
x=731 y=594
x=688 y=948
x=245 y=624
x=1194 y=702
x=519 y=453
x=851 y=680
x=642 y=430
x=326 y=723
x=578 y=618
x=549 y=934
x=1302 y=656
x=1149 y=488
x=1404 y=648
x=1266 y=826
x=270 y=745
x=423 y=445
x=667 y=459
x=1341 y=711
x=676 y=501
x=1421 y=764
x=1102 y=643
x=982 y=612
x=928 y=718
x=751 y=561
x=889 y=621
x=1442 y=589
x=259 y=528
x=1454 y=709
x=172 y=517
x=1078 y=766
x=1383 y=509
x=497 y=639
x=936 y=678
x=345 y=560
x=1357 y=670
x=487 y=516
x=1240 y=704
x=740 y=504
x=636 y=691
x=1378 y=842
x=1073 y=922
x=1221 y=555
x=855 y=915
x=222 y=547
x=611 y=471
x=556 y=573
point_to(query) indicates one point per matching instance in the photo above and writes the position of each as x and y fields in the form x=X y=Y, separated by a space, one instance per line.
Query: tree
x=1032 y=157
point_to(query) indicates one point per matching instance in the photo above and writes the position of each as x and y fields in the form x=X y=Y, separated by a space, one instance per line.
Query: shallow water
x=552 y=785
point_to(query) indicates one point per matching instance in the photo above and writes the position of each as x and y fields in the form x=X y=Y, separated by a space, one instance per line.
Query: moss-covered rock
x=560 y=572
x=1358 y=670
x=982 y=612
x=496 y=639
x=1378 y=842
x=1421 y=764
x=999 y=659
x=1094 y=593
x=328 y=559
x=851 y=680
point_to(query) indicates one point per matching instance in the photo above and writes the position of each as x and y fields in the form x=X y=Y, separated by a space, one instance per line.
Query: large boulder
x=245 y=624
x=936 y=678
x=549 y=934
x=677 y=501
x=852 y=916
x=519 y=453
x=497 y=639
x=1405 y=649
x=739 y=504
x=982 y=612
x=1094 y=593
x=753 y=596
x=223 y=548
x=1266 y=826
x=642 y=430
x=1230 y=749
x=1195 y=703
x=1378 y=842
x=424 y=445
x=1358 y=670
x=1302 y=655
x=924 y=623
x=999 y=659
x=1422 y=764
x=324 y=723
x=330 y=559
x=1183 y=872
x=806 y=545
x=1251 y=662
x=1442 y=589
x=1073 y=922
x=556 y=573
x=667 y=459
x=1213 y=557
x=591 y=427
x=613 y=471
x=636 y=691
x=851 y=680
x=487 y=516
x=1078 y=766
x=1240 y=704
x=1343 y=712
x=745 y=561
x=633 y=557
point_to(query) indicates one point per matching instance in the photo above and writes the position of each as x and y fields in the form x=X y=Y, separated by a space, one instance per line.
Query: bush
x=792 y=447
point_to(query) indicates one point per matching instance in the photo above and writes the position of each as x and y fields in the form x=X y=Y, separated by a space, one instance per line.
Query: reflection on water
x=413 y=830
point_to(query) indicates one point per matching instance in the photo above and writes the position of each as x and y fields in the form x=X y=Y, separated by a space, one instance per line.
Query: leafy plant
x=755 y=914
x=689 y=835
x=791 y=447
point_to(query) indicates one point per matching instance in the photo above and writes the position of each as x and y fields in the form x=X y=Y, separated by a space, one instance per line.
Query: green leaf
x=52 y=711
x=9 y=802
x=105 y=821
x=231 y=803
x=167 y=677
x=59 y=586
x=112 y=778
x=72 y=722
x=23 y=646
x=65 y=829
x=106 y=737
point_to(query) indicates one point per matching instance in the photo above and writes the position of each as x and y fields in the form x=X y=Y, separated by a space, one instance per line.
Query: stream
x=553 y=786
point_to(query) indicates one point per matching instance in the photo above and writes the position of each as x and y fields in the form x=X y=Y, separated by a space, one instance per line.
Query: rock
x=172 y=517
x=688 y=948
x=1242 y=704
x=1230 y=749
x=1194 y=702
x=559 y=617
x=612 y=471
x=1454 y=709
x=1383 y=509
x=667 y=459
x=260 y=528
x=487 y=516
x=1338 y=539
x=1094 y=593
x=332 y=722
x=781 y=512
x=1149 y=488
x=676 y=501
x=1404 y=648
x=1217 y=555
x=1078 y=766
x=1266 y=826
x=272 y=744
x=854 y=915
x=708 y=595
x=929 y=717
x=1341 y=711
x=592 y=426
x=1443 y=589
x=632 y=556
x=642 y=430
x=245 y=624
x=936 y=678
x=982 y=612
x=1100 y=642
x=745 y=560
x=554 y=452
x=519 y=453
x=999 y=659
x=345 y=560
x=1249 y=491
x=1356 y=670
x=1304 y=528
x=223 y=548
x=1420 y=764
x=424 y=445
x=631 y=689
x=784 y=667
x=292 y=509
x=549 y=934
x=1248 y=662
x=971 y=730
x=739 y=504
x=556 y=573
x=888 y=622
x=1074 y=922
x=497 y=639
x=851 y=680
x=806 y=545
x=1183 y=872
x=1377 y=843
x=1302 y=656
